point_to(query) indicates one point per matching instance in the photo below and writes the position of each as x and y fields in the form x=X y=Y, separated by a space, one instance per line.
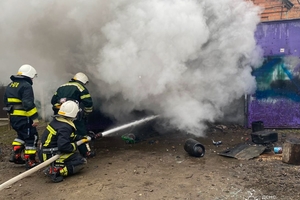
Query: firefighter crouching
x=59 y=138
x=76 y=90
x=23 y=114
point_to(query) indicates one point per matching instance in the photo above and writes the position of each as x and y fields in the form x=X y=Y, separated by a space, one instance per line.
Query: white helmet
x=27 y=70
x=69 y=109
x=81 y=77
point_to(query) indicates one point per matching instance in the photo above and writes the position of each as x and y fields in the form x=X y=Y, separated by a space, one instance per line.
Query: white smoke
x=185 y=60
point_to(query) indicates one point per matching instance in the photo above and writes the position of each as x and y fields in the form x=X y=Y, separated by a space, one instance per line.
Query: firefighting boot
x=16 y=155
x=54 y=173
x=30 y=161
x=90 y=154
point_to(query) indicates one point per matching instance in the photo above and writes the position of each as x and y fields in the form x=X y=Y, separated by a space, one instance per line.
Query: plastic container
x=278 y=150
x=257 y=126
x=129 y=138
x=194 y=148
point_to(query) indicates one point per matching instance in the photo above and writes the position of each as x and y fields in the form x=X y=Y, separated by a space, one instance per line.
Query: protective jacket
x=19 y=94
x=59 y=135
x=73 y=90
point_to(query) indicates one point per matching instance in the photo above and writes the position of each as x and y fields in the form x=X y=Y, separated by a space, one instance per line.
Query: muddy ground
x=158 y=167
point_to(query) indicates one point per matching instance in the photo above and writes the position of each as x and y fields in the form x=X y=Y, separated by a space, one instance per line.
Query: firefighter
x=59 y=137
x=23 y=114
x=76 y=89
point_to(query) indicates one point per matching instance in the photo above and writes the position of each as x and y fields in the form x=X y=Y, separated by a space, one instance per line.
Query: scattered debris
x=269 y=156
x=291 y=147
x=129 y=138
x=194 y=148
x=257 y=126
x=221 y=127
x=217 y=143
x=264 y=137
x=278 y=150
x=244 y=151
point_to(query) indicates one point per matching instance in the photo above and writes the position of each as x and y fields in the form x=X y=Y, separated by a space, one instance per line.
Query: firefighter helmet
x=27 y=70
x=81 y=77
x=69 y=109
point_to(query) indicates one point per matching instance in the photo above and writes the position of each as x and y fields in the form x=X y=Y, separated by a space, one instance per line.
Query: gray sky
x=185 y=60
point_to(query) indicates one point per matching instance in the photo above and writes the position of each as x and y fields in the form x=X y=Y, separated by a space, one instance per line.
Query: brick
x=275 y=10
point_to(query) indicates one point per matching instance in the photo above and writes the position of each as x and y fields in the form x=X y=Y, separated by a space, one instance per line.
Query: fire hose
x=32 y=170
x=52 y=159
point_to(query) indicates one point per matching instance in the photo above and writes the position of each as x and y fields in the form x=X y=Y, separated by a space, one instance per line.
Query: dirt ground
x=158 y=167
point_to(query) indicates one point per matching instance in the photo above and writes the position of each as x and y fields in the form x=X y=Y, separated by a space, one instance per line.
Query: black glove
x=92 y=135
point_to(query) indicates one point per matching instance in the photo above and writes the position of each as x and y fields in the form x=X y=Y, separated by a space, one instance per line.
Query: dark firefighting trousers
x=27 y=136
x=68 y=163
x=81 y=129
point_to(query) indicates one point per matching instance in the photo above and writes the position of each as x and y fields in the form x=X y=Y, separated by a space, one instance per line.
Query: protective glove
x=94 y=135
x=98 y=135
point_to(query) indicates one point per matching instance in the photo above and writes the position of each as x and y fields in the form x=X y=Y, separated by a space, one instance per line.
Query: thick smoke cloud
x=184 y=60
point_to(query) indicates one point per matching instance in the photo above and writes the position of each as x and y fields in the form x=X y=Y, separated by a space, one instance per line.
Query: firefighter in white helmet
x=19 y=103
x=76 y=90
x=60 y=136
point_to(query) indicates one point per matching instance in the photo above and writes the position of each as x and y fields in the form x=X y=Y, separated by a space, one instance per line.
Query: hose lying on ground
x=32 y=170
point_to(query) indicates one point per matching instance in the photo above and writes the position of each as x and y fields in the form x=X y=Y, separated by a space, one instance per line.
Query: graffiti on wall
x=276 y=101
x=276 y=79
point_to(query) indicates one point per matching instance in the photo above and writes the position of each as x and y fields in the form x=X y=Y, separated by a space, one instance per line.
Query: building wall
x=278 y=9
x=277 y=98
x=276 y=101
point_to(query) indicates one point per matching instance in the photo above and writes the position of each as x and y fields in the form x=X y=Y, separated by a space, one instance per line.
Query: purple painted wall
x=279 y=37
x=277 y=99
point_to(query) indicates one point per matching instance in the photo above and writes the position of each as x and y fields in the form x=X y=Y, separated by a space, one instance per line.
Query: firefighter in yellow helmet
x=59 y=137
x=19 y=103
x=76 y=90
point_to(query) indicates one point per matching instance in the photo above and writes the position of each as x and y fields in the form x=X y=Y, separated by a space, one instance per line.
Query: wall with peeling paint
x=277 y=98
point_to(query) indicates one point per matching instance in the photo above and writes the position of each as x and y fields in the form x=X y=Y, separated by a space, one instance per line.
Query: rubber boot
x=16 y=156
x=54 y=174
x=30 y=161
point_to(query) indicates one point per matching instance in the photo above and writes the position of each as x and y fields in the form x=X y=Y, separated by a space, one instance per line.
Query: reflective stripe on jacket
x=20 y=94
x=60 y=133
x=73 y=90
